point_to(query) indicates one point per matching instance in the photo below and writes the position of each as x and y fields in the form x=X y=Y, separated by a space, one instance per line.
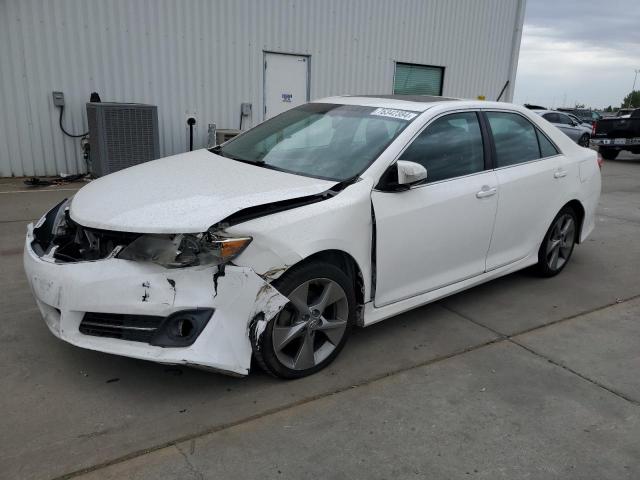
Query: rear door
x=530 y=184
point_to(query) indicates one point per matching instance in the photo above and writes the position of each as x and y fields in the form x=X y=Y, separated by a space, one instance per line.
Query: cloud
x=610 y=23
x=578 y=52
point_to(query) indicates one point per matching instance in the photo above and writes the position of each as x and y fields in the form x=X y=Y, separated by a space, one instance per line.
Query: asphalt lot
x=519 y=378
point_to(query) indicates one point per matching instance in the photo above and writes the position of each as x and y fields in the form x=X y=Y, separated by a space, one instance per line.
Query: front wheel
x=312 y=328
x=558 y=243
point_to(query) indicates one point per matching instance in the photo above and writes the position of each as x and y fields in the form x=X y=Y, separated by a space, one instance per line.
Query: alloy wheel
x=560 y=242
x=584 y=141
x=311 y=325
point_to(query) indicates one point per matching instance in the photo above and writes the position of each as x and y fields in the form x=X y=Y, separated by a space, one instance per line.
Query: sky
x=578 y=51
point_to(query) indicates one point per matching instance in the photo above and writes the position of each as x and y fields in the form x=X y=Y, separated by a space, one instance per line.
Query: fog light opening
x=183 y=327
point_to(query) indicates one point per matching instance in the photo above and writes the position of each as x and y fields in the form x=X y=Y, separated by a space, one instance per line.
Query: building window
x=412 y=79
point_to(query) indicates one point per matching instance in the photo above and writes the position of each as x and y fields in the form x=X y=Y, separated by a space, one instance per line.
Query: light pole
x=633 y=89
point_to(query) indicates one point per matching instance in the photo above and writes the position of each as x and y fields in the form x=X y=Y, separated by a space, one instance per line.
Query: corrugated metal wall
x=206 y=57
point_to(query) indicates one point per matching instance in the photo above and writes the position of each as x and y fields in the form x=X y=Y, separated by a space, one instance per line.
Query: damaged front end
x=57 y=238
x=170 y=298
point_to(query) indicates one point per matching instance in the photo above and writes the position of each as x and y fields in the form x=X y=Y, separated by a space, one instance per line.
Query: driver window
x=449 y=147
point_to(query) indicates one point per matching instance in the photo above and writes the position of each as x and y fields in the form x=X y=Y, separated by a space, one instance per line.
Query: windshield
x=336 y=142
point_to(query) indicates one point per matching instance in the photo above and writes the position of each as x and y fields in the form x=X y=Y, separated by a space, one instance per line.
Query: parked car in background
x=572 y=128
x=623 y=112
x=583 y=115
x=612 y=135
x=586 y=127
x=340 y=212
x=531 y=106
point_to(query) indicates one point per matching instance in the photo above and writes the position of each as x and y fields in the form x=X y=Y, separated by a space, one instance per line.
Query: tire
x=306 y=324
x=584 y=140
x=558 y=243
x=609 y=154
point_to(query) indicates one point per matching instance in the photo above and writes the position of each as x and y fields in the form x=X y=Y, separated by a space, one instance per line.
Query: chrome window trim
x=526 y=163
x=560 y=153
x=470 y=110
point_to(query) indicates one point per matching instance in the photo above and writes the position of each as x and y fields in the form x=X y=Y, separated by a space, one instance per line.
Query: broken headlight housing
x=185 y=250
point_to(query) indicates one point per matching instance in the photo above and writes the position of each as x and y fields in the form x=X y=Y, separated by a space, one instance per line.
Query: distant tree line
x=630 y=101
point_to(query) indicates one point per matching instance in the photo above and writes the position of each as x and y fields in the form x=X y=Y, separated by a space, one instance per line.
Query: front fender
x=281 y=240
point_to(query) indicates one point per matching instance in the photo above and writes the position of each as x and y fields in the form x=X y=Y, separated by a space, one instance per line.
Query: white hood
x=185 y=193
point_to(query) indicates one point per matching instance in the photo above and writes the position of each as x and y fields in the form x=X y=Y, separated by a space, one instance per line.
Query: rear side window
x=564 y=119
x=450 y=147
x=515 y=138
x=551 y=117
x=547 y=149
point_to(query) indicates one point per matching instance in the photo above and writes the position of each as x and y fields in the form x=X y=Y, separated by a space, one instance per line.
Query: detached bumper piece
x=180 y=329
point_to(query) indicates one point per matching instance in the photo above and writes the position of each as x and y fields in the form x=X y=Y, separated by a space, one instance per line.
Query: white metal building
x=206 y=57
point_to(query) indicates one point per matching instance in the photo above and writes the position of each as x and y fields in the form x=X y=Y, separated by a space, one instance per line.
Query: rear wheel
x=608 y=153
x=584 y=140
x=309 y=332
x=558 y=243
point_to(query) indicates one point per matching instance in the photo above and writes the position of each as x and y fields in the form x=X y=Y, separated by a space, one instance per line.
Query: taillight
x=600 y=161
x=593 y=128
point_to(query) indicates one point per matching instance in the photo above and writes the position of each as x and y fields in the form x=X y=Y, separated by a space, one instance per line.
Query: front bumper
x=64 y=292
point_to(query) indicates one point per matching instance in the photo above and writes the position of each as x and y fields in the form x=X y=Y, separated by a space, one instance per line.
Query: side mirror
x=410 y=173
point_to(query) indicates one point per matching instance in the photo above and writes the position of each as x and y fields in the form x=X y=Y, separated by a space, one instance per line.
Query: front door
x=439 y=233
x=286 y=82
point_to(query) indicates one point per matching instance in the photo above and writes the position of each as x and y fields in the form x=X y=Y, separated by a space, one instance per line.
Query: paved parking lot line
x=603 y=347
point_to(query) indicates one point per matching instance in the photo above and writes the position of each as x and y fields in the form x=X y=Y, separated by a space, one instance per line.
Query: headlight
x=185 y=250
x=52 y=224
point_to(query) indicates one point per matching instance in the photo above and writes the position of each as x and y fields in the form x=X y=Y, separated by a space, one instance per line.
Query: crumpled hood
x=185 y=193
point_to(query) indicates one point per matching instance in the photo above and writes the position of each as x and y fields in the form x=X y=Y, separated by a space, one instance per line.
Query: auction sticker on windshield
x=393 y=113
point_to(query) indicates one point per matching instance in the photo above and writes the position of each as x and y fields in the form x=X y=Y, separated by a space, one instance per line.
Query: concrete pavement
x=497 y=412
x=69 y=409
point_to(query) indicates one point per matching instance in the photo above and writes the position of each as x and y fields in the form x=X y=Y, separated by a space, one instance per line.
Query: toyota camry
x=336 y=214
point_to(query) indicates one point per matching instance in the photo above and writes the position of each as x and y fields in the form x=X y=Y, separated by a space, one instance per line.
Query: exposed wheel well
x=345 y=262
x=579 y=210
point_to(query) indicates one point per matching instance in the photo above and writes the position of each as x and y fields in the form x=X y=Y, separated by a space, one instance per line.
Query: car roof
x=414 y=103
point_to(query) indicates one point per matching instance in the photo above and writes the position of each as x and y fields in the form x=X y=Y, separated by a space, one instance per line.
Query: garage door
x=286 y=82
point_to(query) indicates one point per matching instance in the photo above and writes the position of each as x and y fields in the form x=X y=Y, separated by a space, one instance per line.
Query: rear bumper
x=616 y=143
x=64 y=292
x=592 y=188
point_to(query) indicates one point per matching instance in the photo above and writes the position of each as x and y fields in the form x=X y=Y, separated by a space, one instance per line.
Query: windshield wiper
x=218 y=151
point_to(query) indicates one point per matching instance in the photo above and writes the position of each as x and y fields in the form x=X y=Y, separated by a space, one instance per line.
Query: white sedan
x=338 y=213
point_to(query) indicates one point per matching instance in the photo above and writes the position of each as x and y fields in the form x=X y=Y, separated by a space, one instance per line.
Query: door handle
x=560 y=174
x=486 y=192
